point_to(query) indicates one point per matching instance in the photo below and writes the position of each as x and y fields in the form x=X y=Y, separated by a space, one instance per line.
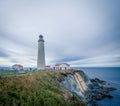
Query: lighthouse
x=41 y=54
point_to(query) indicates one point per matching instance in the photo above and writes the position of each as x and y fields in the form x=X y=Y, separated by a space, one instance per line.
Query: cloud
x=3 y=54
x=73 y=31
x=101 y=61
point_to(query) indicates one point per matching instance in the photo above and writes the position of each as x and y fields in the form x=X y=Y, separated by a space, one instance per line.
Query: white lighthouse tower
x=41 y=53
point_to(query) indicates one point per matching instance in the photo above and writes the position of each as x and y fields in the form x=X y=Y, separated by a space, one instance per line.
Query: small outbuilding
x=47 y=67
x=61 y=66
x=17 y=67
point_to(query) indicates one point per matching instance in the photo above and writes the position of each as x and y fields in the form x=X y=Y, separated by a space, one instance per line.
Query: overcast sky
x=79 y=32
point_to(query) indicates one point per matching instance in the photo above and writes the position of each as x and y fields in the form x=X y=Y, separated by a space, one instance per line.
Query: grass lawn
x=9 y=74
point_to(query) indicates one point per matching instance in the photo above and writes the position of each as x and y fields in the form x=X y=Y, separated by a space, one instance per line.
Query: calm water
x=112 y=76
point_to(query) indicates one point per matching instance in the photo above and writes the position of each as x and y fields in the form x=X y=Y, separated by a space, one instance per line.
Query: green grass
x=11 y=73
x=35 y=89
x=7 y=74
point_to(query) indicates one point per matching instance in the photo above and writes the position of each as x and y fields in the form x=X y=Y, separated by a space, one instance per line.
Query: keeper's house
x=17 y=67
x=61 y=66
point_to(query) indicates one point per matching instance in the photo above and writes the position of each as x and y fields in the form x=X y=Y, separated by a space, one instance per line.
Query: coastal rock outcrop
x=89 y=90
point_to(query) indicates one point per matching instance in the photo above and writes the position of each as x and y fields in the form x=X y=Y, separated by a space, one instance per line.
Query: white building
x=61 y=66
x=17 y=67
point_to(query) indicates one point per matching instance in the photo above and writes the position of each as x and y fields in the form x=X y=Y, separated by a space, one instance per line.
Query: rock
x=99 y=97
x=96 y=80
x=110 y=88
x=67 y=95
x=109 y=96
x=98 y=94
x=93 y=103
x=64 y=74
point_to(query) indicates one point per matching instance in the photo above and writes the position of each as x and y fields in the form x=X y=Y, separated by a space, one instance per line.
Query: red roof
x=58 y=64
x=18 y=65
x=47 y=66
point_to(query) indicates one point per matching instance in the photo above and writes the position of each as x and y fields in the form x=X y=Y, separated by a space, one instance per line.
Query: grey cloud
x=3 y=54
x=69 y=59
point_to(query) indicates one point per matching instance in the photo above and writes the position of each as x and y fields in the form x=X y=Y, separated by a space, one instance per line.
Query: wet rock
x=110 y=88
x=109 y=96
x=96 y=80
x=98 y=93
x=92 y=103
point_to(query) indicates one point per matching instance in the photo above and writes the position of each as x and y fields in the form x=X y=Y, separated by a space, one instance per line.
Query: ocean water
x=112 y=76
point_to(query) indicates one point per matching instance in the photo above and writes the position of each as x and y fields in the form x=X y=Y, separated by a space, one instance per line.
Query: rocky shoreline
x=98 y=92
x=96 y=88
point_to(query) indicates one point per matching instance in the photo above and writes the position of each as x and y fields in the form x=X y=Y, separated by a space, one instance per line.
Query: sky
x=83 y=33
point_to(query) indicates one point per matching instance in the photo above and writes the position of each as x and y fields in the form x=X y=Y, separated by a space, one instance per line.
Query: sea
x=112 y=76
